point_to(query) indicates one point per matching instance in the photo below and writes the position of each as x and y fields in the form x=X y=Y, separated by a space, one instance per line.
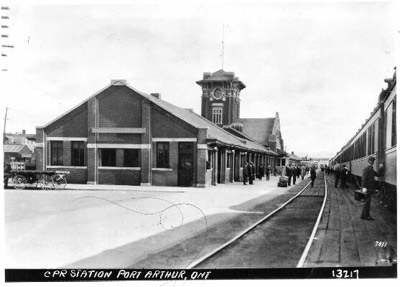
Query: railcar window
x=388 y=126
x=394 y=132
x=371 y=139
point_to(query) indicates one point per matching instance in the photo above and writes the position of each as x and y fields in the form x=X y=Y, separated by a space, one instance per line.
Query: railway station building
x=121 y=135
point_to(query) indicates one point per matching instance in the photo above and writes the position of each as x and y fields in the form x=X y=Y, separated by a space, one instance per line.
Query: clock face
x=217 y=94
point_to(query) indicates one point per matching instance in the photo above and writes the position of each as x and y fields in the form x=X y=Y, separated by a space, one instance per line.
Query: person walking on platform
x=245 y=173
x=260 y=172
x=368 y=185
x=336 y=171
x=289 y=173
x=343 y=175
x=294 y=171
x=275 y=171
x=267 y=172
x=313 y=175
x=298 y=171
x=250 y=171
x=303 y=172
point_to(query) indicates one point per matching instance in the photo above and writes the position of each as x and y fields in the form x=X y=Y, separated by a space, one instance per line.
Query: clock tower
x=220 y=101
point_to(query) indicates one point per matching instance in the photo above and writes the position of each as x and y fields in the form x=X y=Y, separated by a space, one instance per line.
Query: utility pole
x=4 y=131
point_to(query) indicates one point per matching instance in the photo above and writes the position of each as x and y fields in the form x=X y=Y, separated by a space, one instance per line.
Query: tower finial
x=222 y=54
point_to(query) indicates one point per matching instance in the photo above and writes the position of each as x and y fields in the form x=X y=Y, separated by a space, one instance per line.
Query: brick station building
x=123 y=136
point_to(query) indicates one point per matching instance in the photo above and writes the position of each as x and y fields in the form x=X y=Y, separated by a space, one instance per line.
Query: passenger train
x=377 y=137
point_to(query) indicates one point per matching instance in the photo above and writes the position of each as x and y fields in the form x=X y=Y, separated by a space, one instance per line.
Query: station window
x=162 y=155
x=108 y=157
x=217 y=115
x=56 y=153
x=131 y=158
x=77 y=153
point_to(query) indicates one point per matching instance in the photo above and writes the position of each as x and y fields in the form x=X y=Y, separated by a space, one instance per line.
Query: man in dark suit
x=289 y=173
x=368 y=185
x=250 y=172
x=245 y=173
x=313 y=175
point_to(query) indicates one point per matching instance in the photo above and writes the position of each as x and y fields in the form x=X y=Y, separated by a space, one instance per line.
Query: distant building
x=294 y=159
x=21 y=139
x=18 y=155
x=19 y=150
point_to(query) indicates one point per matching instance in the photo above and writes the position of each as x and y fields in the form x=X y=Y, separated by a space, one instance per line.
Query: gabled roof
x=214 y=131
x=16 y=148
x=292 y=156
x=259 y=129
x=193 y=119
x=245 y=136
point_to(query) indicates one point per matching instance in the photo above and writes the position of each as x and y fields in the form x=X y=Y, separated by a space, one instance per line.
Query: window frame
x=217 y=114
x=113 y=157
x=136 y=158
x=162 y=155
x=57 y=159
x=77 y=153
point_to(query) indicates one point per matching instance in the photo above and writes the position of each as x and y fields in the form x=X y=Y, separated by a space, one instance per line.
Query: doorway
x=185 y=164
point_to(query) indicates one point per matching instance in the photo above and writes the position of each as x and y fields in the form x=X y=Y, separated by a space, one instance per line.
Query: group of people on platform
x=293 y=172
x=341 y=172
x=250 y=173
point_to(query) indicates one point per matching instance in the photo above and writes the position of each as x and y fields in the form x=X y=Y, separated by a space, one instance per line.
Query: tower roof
x=221 y=76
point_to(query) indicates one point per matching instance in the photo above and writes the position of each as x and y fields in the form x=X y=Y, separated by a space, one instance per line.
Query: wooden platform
x=343 y=239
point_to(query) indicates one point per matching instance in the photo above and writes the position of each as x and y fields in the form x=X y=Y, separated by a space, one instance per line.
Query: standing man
x=343 y=175
x=250 y=172
x=336 y=171
x=289 y=173
x=313 y=175
x=267 y=171
x=294 y=171
x=260 y=172
x=303 y=172
x=245 y=173
x=368 y=185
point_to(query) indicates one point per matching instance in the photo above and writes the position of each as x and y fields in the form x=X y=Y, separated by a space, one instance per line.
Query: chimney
x=23 y=132
x=156 y=95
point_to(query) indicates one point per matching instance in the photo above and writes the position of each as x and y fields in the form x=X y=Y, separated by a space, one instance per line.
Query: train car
x=377 y=137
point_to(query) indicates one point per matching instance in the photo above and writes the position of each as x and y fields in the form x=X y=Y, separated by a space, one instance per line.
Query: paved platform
x=343 y=239
x=51 y=229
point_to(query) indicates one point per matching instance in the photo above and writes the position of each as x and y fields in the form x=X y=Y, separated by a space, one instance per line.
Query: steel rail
x=311 y=239
x=210 y=254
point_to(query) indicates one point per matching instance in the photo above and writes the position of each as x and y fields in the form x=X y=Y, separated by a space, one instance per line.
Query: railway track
x=282 y=238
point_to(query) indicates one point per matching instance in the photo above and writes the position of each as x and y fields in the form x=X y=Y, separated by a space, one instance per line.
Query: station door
x=185 y=164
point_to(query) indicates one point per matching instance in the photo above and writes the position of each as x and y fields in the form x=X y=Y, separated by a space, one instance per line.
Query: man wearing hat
x=368 y=185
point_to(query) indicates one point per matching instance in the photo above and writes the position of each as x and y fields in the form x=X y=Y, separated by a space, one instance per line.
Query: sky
x=320 y=65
